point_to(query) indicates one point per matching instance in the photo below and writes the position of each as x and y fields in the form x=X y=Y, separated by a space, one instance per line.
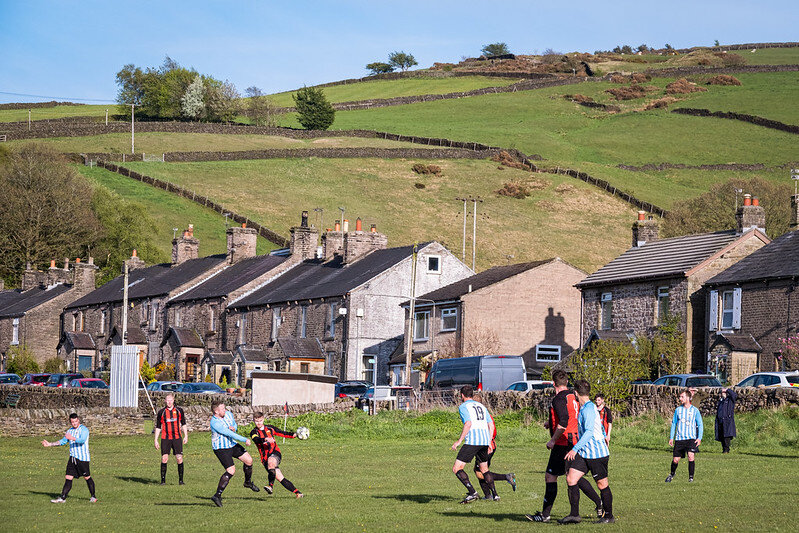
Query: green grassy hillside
x=61 y=111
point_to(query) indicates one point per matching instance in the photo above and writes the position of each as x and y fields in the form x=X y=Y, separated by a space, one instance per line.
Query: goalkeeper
x=264 y=438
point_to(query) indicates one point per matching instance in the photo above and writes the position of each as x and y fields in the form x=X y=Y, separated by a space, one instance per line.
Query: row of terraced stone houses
x=342 y=308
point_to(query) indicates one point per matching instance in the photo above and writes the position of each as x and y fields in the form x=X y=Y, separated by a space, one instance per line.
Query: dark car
x=351 y=389
x=201 y=388
x=88 y=383
x=35 y=379
x=10 y=379
x=60 y=380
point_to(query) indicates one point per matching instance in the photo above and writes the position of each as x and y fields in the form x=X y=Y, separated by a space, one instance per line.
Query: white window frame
x=211 y=318
x=727 y=312
x=368 y=369
x=606 y=298
x=331 y=327
x=15 y=332
x=178 y=318
x=447 y=313
x=544 y=352
x=426 y=316
x=276 y=320
x=103 y=318
x=713 y=314
x=303 y=321
x=663 y=296
x=438 y=263
x=153 y=316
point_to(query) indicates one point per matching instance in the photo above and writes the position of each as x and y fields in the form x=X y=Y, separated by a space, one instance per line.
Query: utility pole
x=132 y=135
x=463 y=251
x=412 y=310
x=342 y=217
x=474 y=231
x=125 y=308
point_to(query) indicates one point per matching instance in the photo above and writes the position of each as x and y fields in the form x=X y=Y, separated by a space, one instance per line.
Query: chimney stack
x=185 y=247
x=84 y=277
x=750 y=216
x=58 y=275
x=134 y=262
x=32 y=278
x=241 y=243
x=794 y=218
x=303 y=240
x=359 y=243
x=333 y=242
x=645 y=230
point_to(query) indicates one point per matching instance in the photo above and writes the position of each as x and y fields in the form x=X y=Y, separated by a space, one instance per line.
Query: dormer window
x=434 y=264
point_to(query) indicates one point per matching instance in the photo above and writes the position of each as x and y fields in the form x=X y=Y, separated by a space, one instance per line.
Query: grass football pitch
x=393 y=473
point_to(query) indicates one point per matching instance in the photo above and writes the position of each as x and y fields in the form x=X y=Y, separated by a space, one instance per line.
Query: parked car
x=10 y=379
x=399 y=393
x=641 y=382
x=164 y=386
x=484 y=372
x=35 y=379
x=88 y=383
x=771 y=379
x=688 y=380
x=353 y=389
x=530 y=384
x=201 y=388
x=60 y=380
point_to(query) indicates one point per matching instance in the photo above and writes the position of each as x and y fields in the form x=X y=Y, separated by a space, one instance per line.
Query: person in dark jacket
x=725 y=419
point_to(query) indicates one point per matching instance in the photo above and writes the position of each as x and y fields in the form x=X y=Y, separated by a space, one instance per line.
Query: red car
x=35 y=379
x=88 y=383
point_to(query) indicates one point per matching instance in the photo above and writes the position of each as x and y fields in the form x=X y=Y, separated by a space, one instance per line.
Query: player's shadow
x=776 y=456
x=417 y=498
x=50 y=495
x=136 y=479
x=497 y=517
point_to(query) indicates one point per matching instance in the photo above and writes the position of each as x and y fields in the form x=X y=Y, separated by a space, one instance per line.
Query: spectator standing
x=725 y=419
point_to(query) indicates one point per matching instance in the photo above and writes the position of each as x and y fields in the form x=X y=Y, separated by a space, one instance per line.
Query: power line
x=62 y=98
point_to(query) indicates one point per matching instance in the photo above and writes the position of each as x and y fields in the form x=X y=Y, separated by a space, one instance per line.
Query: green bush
x=610 y=367
x=147 y=372
x=54 y=365
x=21 y=360
x=313 y=110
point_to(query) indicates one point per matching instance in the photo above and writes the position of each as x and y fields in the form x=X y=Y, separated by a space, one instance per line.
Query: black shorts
x=175 y=445
x=226 y=455
x=597 y=467
x=470 y=451
x=276 y=455
x=557 y=460
x=78 y=468
x=477 y=462
x=681 y=447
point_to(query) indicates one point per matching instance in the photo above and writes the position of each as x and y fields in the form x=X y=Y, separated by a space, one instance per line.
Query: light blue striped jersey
x=687 y=423
x=78 y=448
x=477 y=414
x=591 y=443
x=223 y=432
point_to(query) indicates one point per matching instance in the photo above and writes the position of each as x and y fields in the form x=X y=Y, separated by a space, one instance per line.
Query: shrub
x=164 y=371
x=421 y=168
x=732 y=60
x=610 y=367
x=54 y=365
x=683 y=86
x=579 y=98
x=723 y=79
x=789 y=353
x=616 y=78
x=514 y=190
x=664 y=352
x=147 y=372
x=640 y=77
x=379 y=68
x=504 y=158
x=223 y=383
x=209 y=378
x=632 y=92
x=660 y=103
x=20 y=360
x=313 y=110
x=447 y=68
x=419 y=185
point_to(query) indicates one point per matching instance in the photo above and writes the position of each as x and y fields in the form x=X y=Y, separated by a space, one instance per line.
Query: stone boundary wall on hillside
x=752 y=119
x=436 y=74
x=649 y=167
x=744 y=46
x=35 y=105
x=692 y=70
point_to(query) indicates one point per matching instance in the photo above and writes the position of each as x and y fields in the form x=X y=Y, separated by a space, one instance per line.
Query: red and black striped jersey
x=606 y=417
x=169 y=421
x=265 y=439
x=563 y=413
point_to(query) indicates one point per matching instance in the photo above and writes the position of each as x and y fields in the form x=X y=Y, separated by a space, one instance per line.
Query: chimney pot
x=641 y=215
x=134 y=253
x=358 y=224
x=755 y=200
x=191 y=230
x=77 y=259
x=374 y=228
x=346 y=225
x=66 y=263
x=747 y=199
x=337 y=226
x=91 y=260
x=52 y=263
x=243 y=224
x=304 y=222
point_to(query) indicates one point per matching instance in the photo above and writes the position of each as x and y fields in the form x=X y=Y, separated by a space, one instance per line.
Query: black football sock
x=90 y=484
x=163 y=472
x=550 y=494
x=589 y=491
x=271 y=475
x=485 y=487
x=607 y=501
x=691 y=468
x=66 y=489
x=248 y=473
x=223 y=481
x=289 y=485
x=488 y=477
x=180 y=471
x=574 y=500
x=673 y=468
x=464 y=478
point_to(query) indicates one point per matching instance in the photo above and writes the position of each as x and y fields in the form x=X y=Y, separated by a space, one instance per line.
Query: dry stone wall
x=752 y=119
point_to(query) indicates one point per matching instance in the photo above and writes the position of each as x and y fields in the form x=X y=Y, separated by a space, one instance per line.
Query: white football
x=303 y=432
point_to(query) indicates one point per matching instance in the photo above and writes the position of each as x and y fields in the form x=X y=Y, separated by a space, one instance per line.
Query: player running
x=687 y=426
x=223 y=441
x=590 y=454
x=510 y=478
x=562 y=425
x=605 y=415
x=78 y=465
x=264 y=438
x=170 y=424
x=477 y=438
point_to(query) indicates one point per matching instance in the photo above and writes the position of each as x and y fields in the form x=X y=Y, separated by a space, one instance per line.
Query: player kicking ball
x=264 y=438
x=78 y=465
x=224 y=442
x=687 y=427
x=492 y=448
x=476 y=437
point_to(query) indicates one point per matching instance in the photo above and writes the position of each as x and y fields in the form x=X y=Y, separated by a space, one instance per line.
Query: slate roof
x=617 y=335
x=453 y=291
x=739 y=342
x=78 y=340
x=231 y=278
x=778 y=259
x=184 y=337
x=135 y=335
x=252 y=355
x=156 y=280
x=293 y=347
x=8 y=297
x=318 y=279
x=660 y=259
x=14 y=306
x=219 y=358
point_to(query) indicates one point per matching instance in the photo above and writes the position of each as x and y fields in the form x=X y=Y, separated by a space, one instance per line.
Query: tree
x=626 y=49
x=54 y=365
x=379 y=68
x=610 y=367
x=313 y=110
x=20 y=360
x=664 y=352
x=788 y=358
x=221 y=100
x=261 y=110
x=192 y=105
x=401 y=60
x=716 y=42
x=476 y=341
x=495 y=49
x=668 y=47
x=44 y=210
x=642 y=48
x=715 y=209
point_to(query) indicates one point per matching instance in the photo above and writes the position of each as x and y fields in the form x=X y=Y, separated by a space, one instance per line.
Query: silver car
x=772 y=379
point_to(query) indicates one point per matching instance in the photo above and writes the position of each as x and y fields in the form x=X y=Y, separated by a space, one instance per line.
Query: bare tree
x=477 y=340
x=260 y=109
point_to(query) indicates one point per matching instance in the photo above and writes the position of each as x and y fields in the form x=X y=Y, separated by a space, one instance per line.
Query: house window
x=15 y=331
x=275 y=322
x=449 y=319
x=331 y=324
x=305 y=368
x=303 y=321
x=663 y=304
x=80 y=321
x=434 y=264
x=211 y=318
x=103 y=318
x=368 y=368
x=178 y=321
x=330 y=360
x=607 y=310
x=153 y=315
x=547 y=352
x=421 y=326
x=143 y=310
x=727 y=309
x=242 y=327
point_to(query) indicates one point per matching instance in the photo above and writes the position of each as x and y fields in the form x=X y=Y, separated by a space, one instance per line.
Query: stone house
x=528 y=309
x=339 y=314
x=660 y=278
x=78 y=350
x=755 y=300
x=30 y=316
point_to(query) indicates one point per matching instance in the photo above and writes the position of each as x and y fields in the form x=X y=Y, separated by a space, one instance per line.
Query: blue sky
x=72 y=50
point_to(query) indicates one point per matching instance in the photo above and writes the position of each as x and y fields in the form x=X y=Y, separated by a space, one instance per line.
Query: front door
x=84 y=362
x=191 y=367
